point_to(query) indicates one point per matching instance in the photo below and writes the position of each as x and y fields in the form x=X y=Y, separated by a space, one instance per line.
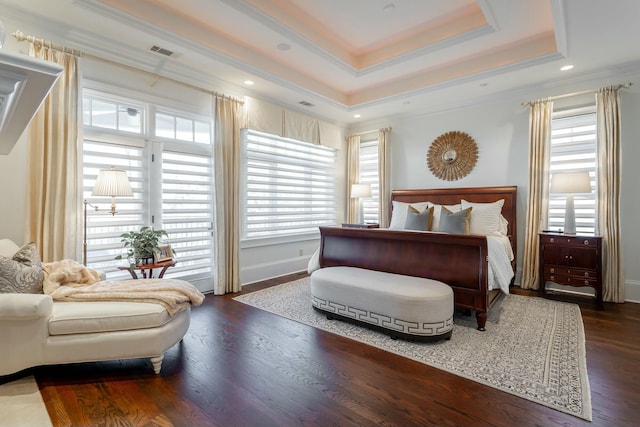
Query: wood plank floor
x=240 y=366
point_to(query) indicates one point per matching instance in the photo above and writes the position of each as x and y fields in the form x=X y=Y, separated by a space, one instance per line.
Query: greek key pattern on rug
x=382 y=320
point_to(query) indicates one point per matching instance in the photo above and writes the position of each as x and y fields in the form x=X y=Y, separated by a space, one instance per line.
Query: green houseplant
x=141 y=244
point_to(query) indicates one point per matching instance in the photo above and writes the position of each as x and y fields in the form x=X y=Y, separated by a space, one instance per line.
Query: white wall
x=500 y=129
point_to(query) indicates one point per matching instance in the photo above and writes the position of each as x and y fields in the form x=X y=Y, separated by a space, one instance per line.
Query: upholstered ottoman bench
x=411 y=308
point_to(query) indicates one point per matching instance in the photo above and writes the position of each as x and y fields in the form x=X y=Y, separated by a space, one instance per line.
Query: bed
x=459 y=260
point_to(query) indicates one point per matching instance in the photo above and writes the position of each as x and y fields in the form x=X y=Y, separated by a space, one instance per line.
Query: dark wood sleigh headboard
x=452 y=196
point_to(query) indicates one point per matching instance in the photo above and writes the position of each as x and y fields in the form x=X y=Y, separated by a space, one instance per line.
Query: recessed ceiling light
x=283 y=46
x=357 y=116
x=484 y=84
x=566 y=67
x=248 y=82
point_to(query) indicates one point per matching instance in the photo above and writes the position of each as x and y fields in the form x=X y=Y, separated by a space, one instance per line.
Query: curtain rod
x=20 y=36
x=388 y=129
x=583 y=92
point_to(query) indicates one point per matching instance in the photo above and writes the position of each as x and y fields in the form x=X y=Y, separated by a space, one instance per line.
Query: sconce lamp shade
x=112 y=182
x=360 y=191
x=570 y=183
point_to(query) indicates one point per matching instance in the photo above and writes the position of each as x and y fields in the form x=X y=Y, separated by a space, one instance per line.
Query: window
x=289 y=186
x=170 y=168
x=369 y=175
x=573 y=149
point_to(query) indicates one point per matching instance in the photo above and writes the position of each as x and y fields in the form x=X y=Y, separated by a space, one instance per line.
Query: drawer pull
x=553 y=270
x=552 y=240
x=586 y=283
x=552 y=278
x=586 y=274
x=586 y=243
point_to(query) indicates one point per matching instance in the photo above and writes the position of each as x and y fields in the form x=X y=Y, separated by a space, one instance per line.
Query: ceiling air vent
x=161 y=50
x=306 y=104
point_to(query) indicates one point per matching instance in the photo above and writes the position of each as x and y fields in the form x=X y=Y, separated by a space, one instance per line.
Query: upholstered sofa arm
x=25 y=306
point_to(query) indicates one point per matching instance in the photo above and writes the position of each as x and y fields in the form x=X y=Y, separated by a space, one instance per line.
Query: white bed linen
x=500 y=256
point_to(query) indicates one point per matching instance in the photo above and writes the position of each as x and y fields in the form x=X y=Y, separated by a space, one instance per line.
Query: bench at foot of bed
x=407 y=307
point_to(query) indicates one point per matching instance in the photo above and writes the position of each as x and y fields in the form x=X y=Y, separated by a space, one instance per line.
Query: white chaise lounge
x=36 y=330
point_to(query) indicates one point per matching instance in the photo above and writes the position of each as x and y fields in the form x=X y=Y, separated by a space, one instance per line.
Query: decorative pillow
x=486 y=216
x=437 y=212
x=8 y=248
x=23 y=272
x=420 y=221
x=399 y=213
x=455 y=222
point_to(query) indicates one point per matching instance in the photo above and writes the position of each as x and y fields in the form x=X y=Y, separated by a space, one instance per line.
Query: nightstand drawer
x=578 y=273
x=562 y=279
x=573 y=241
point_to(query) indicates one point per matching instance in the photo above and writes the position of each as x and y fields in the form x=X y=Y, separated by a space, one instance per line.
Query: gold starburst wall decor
x=452 y=155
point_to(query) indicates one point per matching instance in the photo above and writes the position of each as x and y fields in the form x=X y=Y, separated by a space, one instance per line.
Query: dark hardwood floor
x=240 y=366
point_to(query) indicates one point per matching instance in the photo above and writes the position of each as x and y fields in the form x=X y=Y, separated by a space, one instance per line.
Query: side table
x=147 y=269
x=344 y=225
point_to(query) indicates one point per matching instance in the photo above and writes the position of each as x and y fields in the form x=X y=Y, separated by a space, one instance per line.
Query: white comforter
x=500 y=257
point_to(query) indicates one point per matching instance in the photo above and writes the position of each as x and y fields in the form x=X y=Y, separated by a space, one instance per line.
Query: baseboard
x=259 y=272
x=632 y=291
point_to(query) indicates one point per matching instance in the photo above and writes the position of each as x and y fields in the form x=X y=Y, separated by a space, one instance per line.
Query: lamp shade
x=112 y=182
x=570 y=182
x=360 y=191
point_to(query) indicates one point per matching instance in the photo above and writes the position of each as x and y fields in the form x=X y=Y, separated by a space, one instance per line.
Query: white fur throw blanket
x=68 y=280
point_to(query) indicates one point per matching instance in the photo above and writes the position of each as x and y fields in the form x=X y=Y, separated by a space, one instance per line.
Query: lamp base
x=570 y=217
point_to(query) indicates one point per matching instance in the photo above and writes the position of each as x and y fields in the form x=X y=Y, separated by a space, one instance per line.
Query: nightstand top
x=561 y=234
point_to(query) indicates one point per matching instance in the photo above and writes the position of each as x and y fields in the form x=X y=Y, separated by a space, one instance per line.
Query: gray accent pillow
x=455 y=222
x=23 y=272
x=420 y=221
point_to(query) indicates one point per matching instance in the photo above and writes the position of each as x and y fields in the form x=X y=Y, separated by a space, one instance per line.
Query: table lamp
x=360 y=191
x=570 y=183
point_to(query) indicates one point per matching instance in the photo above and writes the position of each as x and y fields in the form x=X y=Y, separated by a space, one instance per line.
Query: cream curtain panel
x=53 y=187
x=353 y=177
x=608 y=116
x=228 y=119
x=537 y=201
x=384 y=178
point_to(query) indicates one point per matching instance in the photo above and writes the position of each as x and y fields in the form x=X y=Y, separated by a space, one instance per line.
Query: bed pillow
x=485 y=219
x=437 y=211
x=420 y=221
x=22 y=273
x=399 y=213
x=455 y=222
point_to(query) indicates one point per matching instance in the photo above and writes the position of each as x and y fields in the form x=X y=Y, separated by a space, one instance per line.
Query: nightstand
x=571 y=261
x=360 y=225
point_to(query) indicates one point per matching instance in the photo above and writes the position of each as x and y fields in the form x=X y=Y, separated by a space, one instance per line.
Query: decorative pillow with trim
x=399 y=213
x=455 y=222
x=420 y=221
x=485 y=219
x=22 y=273
x=437 y=212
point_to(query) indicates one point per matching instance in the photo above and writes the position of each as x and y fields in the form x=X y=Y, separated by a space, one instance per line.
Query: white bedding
x=500 y=257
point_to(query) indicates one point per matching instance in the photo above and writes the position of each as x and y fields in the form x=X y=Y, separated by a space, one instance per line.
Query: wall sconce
x=570 y=183
x=110 y=182
x=360 y=191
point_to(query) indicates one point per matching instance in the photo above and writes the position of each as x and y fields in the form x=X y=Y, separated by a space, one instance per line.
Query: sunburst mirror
x=452 y=155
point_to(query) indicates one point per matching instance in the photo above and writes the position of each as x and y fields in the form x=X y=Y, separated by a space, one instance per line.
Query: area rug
x=21 y=404
x=532 y=347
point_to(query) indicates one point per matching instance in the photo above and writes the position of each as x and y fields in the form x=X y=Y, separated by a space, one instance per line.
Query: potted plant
x=141 y=244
